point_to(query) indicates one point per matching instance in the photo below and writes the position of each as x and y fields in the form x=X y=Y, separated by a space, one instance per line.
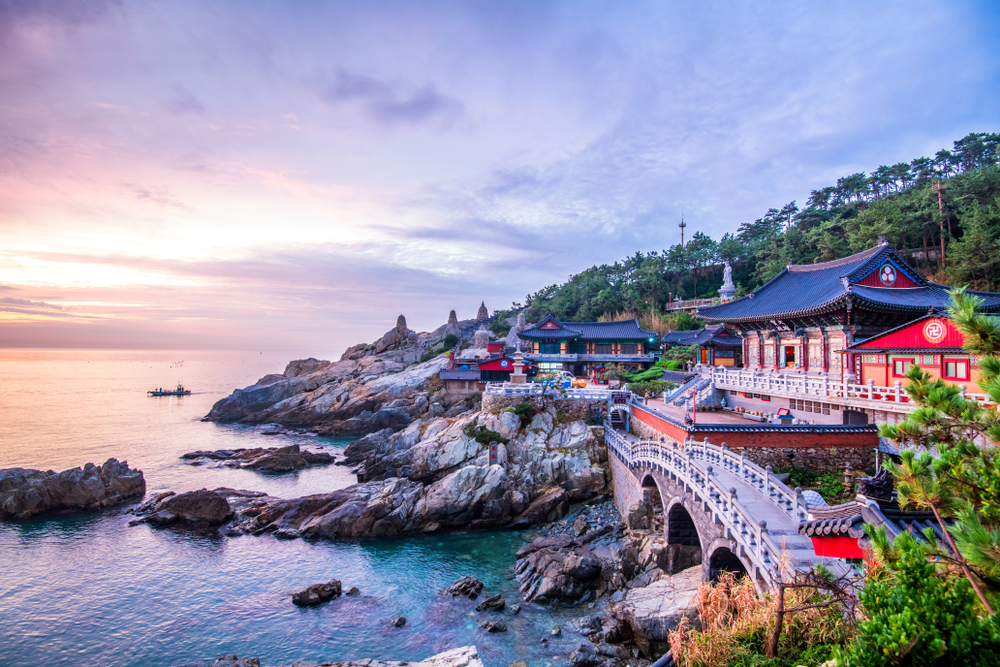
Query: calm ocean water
x=86 y=589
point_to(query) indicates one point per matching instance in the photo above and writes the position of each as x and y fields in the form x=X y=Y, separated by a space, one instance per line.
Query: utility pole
x=939 y=189
x=682 y=226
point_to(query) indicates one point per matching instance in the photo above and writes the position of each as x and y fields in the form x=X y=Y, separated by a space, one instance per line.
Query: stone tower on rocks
x=483 y=314
x=452 y=318
x=480 y=339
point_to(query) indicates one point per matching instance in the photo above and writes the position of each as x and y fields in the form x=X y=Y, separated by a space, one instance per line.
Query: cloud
x=9 y=300
x=182 y=101
x=160 y=197
x=390 y=104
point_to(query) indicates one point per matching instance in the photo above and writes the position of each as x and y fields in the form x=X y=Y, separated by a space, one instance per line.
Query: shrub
x=919 y=615
x=483 y=435
x=524 y=412
x=805 y=477
x=650 y=388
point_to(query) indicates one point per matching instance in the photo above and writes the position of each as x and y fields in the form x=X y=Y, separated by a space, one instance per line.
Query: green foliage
x=654 y=373
x=685 y=321
x=830 y=487
x=524 y=411
x=483 y=435
x=650 y=387
x=450 y=341
x=804 y=477
x=673 y=364
x=896 y=202
x=919 y=615
x=682 y=353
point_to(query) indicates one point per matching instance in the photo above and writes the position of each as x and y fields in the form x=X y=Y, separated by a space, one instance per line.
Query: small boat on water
x=180 y=391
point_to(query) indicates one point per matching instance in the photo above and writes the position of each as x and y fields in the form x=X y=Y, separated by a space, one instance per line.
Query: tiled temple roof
x=814 y=288
x=717 y=335
x=622 y=330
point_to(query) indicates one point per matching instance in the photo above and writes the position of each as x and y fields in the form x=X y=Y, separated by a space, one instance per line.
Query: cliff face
x=373 y=386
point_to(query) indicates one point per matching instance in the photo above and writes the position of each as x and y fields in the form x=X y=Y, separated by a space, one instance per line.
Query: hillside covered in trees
x=899 y=202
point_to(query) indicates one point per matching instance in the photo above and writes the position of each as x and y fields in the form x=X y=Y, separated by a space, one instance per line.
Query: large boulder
x=194 y=508
x=556 y=568
x=26 y=492
x=653 y=611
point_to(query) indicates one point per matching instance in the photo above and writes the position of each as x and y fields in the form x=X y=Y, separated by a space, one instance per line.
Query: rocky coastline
x=466 y=656
x=26 y=492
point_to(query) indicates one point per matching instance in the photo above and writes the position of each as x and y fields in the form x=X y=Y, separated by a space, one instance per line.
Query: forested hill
x=898 y=202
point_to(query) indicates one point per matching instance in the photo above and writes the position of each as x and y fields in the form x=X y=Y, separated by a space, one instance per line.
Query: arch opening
x=683 y=542
x=724 y=560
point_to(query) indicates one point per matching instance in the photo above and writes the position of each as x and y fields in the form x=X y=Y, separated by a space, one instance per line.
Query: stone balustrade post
x=767 y=481
x=871 y=390
x=961 y=391
x=798 y=502
x=897 y=390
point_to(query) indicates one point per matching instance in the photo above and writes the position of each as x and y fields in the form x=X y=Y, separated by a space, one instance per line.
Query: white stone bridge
x=739 y=514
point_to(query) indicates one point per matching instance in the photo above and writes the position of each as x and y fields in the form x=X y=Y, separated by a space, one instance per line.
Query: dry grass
x=736 y=622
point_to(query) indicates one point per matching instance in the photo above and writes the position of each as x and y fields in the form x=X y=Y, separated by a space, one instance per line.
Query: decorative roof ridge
x=886 y=253
x=850 y=259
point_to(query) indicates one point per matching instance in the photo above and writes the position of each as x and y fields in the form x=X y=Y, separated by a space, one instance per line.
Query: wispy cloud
x=389 y=104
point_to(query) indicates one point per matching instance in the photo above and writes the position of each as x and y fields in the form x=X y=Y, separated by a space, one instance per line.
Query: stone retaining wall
x=573 y=409
x=627 y=489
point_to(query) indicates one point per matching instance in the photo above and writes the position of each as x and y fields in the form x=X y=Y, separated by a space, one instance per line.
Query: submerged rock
x=25 y=492
x=494 y=626
x=398 y=622
x=494 y=603
x=317 y=594
x=469 y=587
x=270 y=459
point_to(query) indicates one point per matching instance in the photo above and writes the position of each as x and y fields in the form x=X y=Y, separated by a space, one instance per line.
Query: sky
x=294 y=175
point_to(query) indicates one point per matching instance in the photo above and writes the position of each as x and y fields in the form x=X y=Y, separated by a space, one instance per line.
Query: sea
x=87 y=589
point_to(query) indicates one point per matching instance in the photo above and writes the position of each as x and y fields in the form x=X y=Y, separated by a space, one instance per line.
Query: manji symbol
x=934 y=331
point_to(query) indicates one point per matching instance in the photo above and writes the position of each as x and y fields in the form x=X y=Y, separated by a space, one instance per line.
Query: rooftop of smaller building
x=552 y=329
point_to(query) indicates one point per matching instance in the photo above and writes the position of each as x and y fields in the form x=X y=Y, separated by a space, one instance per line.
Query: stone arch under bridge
x=691 y=533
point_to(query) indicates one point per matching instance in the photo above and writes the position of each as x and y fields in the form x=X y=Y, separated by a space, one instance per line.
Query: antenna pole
x=682 y=226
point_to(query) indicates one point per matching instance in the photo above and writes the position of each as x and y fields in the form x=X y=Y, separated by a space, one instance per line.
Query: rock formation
x=270 y=460
x=433 y=475
x=373 y=386
x=468 y=587
x=654 y=610
x=317 y=594
x=512 y=339
x=202 y=508
x=480 y=339
x=483 y=314
x=25 y=492
x=466 y=656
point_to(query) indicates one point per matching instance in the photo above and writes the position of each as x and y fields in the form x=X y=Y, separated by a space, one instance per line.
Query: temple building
x=717 y=344
x=932 y=342
x=583 y=347
x=806 y=316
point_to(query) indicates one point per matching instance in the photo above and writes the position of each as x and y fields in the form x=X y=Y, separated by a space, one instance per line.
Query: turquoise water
x=87 y=589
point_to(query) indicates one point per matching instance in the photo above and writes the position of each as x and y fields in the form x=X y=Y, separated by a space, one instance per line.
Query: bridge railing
x=683 y=462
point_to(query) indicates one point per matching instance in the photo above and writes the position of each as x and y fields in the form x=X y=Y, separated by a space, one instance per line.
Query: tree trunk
x=779 y=613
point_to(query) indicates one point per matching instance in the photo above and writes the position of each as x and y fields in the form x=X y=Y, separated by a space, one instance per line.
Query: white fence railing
x=824 y=388
x=693 y=465
x=558 y=393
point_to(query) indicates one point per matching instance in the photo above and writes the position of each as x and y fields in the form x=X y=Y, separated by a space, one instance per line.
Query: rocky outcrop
x=25 y=492
x=654 y=610
x=483 y=314
x=466 y=656
x=269 y=460
x=202 y=508
x=372 y=387
x=436 y=475
x=317 y=594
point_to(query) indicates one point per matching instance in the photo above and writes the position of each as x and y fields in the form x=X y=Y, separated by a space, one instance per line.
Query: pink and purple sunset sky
x=293 y=175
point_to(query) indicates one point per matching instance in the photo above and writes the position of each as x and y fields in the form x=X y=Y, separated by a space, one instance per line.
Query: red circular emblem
x=935 y=331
